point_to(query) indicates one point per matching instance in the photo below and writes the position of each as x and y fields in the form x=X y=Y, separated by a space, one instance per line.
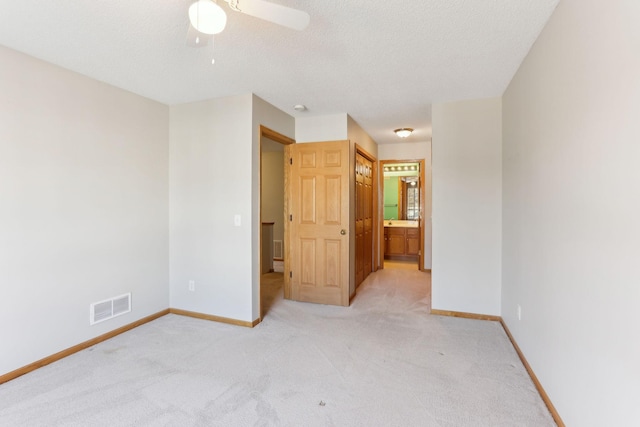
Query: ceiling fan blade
x=278 y=14
x=197 y=39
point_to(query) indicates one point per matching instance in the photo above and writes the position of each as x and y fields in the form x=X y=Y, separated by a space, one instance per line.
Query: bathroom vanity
x=401 y=239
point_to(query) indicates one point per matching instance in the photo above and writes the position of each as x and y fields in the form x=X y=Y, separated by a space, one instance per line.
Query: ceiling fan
x=207 y=18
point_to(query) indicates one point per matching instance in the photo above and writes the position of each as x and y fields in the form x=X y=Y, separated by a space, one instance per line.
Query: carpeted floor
x=384 y=361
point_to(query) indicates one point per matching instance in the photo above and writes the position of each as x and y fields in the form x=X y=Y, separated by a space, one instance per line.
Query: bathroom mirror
x=402 y=191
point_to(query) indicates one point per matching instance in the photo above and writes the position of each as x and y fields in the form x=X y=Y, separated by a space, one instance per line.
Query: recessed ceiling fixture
x=300 y=107
x=403 y=132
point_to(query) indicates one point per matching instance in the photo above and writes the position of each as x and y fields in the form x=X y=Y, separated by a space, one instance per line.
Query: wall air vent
x=277 y=249
x=109 y=308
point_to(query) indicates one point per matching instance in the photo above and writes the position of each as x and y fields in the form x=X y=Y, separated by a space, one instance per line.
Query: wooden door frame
x=286 y=141
x=374 y=182
x=384 y=163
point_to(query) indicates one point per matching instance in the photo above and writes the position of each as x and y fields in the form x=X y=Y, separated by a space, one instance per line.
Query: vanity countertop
x=401 y=223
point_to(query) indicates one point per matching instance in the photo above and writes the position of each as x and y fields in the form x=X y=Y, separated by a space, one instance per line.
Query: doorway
x=402 y=209
x=317 y=179
x=272 y=216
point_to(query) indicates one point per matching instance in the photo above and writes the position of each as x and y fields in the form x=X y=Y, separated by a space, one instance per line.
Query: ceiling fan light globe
x=207 y=17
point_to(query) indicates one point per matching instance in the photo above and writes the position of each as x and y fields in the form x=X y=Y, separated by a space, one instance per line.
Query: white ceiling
x=382 y=62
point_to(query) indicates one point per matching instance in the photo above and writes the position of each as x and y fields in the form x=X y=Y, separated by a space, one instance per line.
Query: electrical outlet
x=192 y=285
x=519 y=312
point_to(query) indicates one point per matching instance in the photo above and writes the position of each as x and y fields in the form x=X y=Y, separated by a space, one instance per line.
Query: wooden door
x=364 y=218
x=319 y=222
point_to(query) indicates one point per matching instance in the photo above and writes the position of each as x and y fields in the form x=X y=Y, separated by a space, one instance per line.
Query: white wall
x=571 y=208
x=417 y=151
x=267 y=115
x=331 y=127
x=211 y=149
x=83 y=206
x=467 y=218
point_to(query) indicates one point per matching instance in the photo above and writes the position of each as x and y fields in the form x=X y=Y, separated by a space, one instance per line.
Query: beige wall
x=467 y=209
x=357 y=135
x=571 y=208
x=83 y=206
x=332 y=127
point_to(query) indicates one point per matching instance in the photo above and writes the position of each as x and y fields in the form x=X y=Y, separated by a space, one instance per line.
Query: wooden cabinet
x=413 y=241
x=396 y=240
x=401 y=242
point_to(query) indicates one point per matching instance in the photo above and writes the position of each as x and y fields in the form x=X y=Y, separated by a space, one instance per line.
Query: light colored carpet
x=384 y=361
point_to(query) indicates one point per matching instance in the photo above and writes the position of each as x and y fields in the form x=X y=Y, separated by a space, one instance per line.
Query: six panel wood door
x=364 y=218
x=319 y=222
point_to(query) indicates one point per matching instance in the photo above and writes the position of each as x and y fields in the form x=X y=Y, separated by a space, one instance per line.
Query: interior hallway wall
x=571 y=208
x=211 y=148
x=331 y=127
x=214 y=179
x=467 y=206
x=83 y=206
x=359 y=136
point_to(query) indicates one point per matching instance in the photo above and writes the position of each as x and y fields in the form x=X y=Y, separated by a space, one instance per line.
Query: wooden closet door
x=364 y=218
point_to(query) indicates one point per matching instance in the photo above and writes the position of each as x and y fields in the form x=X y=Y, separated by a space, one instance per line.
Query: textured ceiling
x=382 y=62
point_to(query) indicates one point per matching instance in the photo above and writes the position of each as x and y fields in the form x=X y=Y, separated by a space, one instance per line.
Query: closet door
x=364 y=218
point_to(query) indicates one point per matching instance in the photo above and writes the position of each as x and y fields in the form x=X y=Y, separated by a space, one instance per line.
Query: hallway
x=401 y=275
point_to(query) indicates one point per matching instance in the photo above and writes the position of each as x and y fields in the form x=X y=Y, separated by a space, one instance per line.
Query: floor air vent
x=109 y=308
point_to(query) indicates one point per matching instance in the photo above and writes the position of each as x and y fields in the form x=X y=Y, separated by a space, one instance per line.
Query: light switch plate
x=237 y=220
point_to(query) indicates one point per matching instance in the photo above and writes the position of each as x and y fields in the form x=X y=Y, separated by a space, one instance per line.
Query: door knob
x=343 y=231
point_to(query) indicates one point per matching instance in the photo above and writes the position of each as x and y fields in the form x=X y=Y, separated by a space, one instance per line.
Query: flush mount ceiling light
x=300 y=107
x=403 y=132
x=207 y=17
